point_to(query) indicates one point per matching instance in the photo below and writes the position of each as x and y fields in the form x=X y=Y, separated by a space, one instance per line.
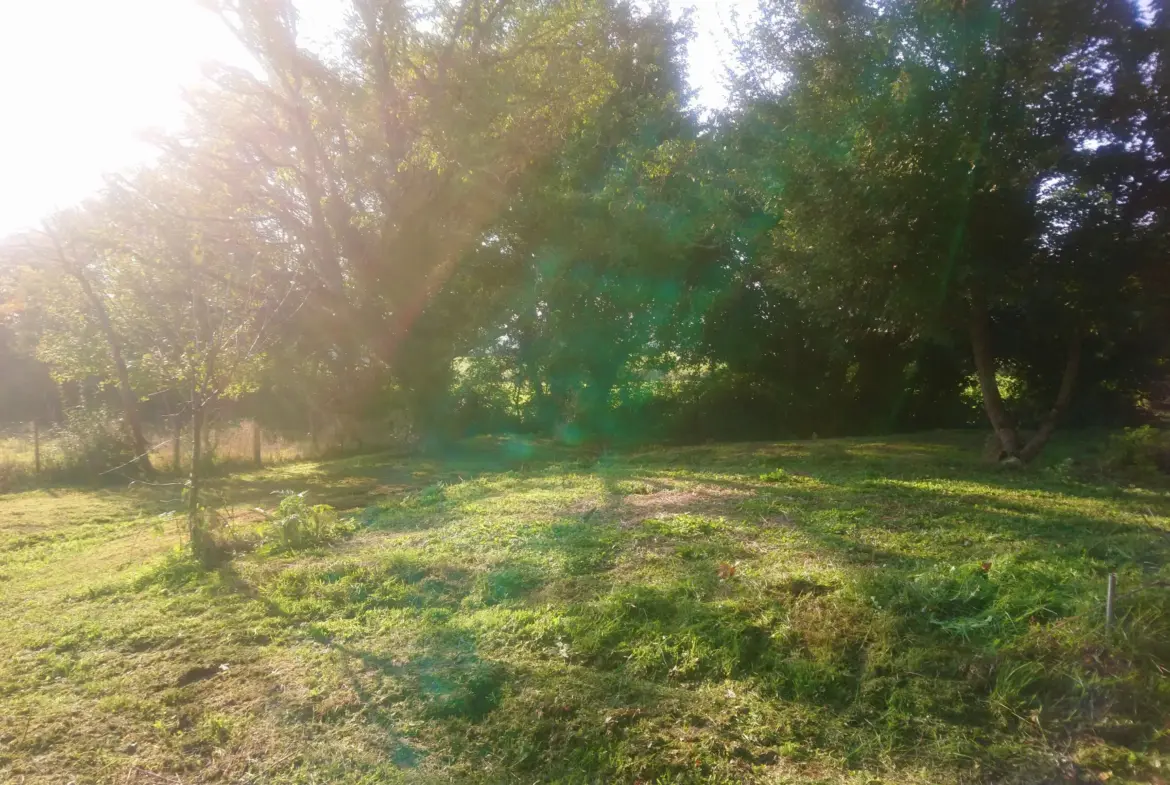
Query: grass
x=851 y=611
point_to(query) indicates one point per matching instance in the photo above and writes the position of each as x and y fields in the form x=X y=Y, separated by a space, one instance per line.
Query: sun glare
x=80 y=80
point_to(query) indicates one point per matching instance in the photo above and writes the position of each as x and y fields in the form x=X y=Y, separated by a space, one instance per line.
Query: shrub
x=296 y=524
x=14 y=475
x=92 y=441
x=1143 y=448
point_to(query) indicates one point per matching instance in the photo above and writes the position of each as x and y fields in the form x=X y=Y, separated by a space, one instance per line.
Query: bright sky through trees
x=80 y=80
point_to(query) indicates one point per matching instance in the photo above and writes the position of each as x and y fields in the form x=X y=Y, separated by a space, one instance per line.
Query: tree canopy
x=506 y=215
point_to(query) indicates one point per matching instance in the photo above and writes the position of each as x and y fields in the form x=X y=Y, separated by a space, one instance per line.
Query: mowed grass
x=851 y=611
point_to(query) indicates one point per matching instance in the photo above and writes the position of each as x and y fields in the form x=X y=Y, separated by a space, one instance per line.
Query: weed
x=295 y=524
x=430 y=496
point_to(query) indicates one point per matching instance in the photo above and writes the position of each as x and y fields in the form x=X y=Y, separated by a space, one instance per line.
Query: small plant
x=208 y=529
x=430 y=496
x=779 y=475
x=633 y=488
x=296 y=524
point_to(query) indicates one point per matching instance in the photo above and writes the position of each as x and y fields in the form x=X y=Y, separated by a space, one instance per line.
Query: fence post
x=177 y=445
x=37 y=444
x=1110 y=594
x=256 y=456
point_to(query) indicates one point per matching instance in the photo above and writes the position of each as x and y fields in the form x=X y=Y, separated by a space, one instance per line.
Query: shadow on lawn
x=504 y=659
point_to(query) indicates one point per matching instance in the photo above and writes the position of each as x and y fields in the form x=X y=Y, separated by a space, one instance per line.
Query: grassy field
x=844 y=611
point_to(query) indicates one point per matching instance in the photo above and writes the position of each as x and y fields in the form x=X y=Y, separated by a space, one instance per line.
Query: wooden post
x=177 y=445
x=256 y=456
x=37 y=444
x=1110 y=594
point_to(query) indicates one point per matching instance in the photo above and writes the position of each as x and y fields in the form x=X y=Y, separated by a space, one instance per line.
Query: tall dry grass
x=226 y=444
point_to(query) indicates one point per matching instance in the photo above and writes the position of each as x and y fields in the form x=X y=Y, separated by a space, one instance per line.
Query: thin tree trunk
x=1072 y=366
x=194 y=524
x=984 y=356
x=37 y=444
x=201 y=543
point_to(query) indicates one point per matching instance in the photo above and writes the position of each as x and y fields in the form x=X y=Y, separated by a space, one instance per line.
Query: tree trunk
x=193 y=522
x=37 y=444
x=196 y=445
x=984 y=356
x=202 y=544
x=1072 y=366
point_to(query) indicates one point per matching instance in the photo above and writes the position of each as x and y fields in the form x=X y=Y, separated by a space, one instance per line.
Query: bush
x=296 y=524
x=1145 y=449
x=92 y=441
x=90 y=445
x=15 y=475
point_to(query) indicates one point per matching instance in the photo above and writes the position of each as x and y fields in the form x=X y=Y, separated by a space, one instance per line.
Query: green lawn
x=851 y=611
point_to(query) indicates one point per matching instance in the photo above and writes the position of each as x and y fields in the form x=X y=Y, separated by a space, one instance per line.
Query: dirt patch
x=699 y=499
x=585 y=506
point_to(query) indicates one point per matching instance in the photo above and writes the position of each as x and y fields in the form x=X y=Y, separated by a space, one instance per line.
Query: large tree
x=941 y=166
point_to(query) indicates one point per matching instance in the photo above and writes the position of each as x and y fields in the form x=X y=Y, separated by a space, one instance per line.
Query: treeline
x=502 y=215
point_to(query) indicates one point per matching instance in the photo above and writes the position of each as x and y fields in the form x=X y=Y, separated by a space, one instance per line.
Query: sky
x=81 y=80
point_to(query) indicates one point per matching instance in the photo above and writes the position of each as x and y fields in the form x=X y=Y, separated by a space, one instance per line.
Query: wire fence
x=29 y=450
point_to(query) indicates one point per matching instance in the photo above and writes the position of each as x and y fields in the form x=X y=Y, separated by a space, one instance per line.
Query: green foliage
x=295 y=524
x=547 y=239
x=92 y=441
x=1144 y=448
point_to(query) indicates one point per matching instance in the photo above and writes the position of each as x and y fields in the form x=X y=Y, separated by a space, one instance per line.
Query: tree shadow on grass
x=483 y=670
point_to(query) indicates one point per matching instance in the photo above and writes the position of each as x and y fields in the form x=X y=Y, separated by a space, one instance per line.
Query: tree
x=385 y=166
x=81 y=298
x=915 y=148
x=211 y=293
